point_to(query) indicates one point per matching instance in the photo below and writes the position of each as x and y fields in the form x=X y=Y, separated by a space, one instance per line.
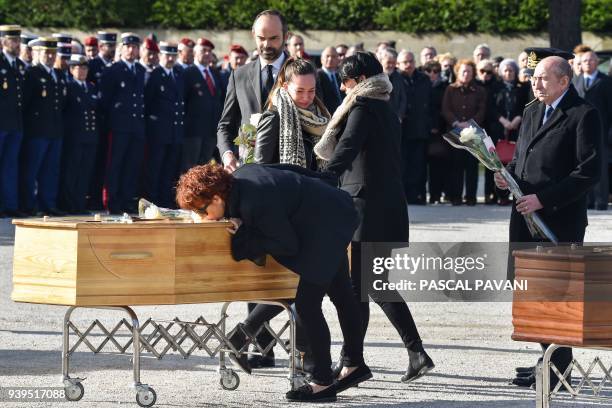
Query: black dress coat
x=303 y=222
x=368 y=164
x=268 y=133
x=559 y=162
x=326 y=91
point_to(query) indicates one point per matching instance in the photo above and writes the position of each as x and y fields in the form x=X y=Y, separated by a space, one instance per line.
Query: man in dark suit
x=556 y=164
x=247 y=92
x=398 y=98
x=203 y=104
x=416 y=128
x=12 y=75
x=165 y=121
x=328 y=83
x=80 y=137
x=248 y=86
x=44 y=97
x=596 y=87
x=122 y=102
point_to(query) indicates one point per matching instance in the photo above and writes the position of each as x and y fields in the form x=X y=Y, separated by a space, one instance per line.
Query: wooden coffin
x=72 y=261
x=569 y=296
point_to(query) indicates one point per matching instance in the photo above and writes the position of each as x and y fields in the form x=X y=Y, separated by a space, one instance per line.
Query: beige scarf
x=375 y=87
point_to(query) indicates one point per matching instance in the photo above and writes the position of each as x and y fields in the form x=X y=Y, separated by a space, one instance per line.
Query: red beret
x=238 y=48
x=187 y=42
x=151 y=45
x=205 y=43
x=90 y=41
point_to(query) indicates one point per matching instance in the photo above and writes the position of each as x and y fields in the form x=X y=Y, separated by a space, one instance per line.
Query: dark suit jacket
x=559 y=163
x=165 y=106
x=283 y=216
x=80 y=118
x=202 y=109
x=243 y=99
x=11 y=94
x=399 y=98
x=599 y=94
x=367 y=161
x=122 y=99
x=326 y=91
x=43 y=101
x=266 y=144
x=417 y=123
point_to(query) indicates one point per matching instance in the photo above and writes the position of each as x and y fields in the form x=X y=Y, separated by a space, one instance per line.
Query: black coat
x=559 y=162
x=399 y=98
x=43 y=101
x=417 y=123
x=80 y=115
x=599 y=94
x=303 y=222
x=122 y=100
x=11 y=94
x=327 y=93
x=96 y=68
x=266 y=145
x=165 y=106
x=507 y=103
x=202 y=110
x=367 y=161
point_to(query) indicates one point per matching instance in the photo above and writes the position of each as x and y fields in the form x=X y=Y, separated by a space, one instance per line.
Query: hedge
x=417 y=16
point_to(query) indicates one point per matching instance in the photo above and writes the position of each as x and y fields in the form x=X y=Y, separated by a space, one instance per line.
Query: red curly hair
x=203 y=183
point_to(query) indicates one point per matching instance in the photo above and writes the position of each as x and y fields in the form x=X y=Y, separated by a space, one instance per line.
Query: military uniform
x=97 y=66
x=165 y=116
x=122 y=102
x=44 y=98
x=80 y=141
x=12 y=75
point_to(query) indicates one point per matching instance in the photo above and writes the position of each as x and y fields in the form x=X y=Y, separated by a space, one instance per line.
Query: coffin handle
x=131 y=255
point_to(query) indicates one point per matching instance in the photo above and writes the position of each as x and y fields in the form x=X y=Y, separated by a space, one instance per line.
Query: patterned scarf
x=294 y=121
x=375 y=87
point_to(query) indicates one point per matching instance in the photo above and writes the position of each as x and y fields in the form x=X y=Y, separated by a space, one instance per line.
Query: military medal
x=44 y=93
x=5 y=85
x=122 y=84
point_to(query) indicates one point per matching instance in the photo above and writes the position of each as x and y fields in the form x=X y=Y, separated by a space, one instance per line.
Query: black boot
x=420 y=363
x=239 y=339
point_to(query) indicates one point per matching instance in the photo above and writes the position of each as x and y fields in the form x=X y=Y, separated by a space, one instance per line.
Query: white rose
x=467 y=134
x=152 y=213
x=254 y=119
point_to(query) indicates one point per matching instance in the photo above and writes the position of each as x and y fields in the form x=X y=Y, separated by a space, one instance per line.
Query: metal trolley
x=148 y=338
x=544 y=394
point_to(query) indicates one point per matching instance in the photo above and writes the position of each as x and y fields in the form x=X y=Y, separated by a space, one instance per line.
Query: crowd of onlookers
x=432 y=93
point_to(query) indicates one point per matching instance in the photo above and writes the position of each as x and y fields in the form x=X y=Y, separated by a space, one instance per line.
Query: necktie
x=14 y=65
x=333 y=79
x=588 y=82
x=268 y=85
x=85 y=87
x=548 y=114
x=134 y=69
x=209 y=82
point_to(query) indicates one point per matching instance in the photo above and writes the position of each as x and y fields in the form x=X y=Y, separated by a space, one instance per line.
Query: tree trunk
x=564 y=23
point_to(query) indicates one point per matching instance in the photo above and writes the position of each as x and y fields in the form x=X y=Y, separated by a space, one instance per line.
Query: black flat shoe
x=420 y=364
x=527 y=381
x=239 y=340
x=305 y=394
x=336 y=368
x=361 y=374
x=525 y=369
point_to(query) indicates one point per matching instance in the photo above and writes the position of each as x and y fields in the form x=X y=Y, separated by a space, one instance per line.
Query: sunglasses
x=486 y=72
x=435 y=71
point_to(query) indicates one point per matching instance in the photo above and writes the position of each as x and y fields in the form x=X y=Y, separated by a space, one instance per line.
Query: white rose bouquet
x=247 y=135
x=475 y=140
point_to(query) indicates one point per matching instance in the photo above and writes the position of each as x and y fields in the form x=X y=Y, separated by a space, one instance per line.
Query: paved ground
x=470 y=343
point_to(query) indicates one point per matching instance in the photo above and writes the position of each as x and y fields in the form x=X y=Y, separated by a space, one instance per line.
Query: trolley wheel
x=74 y=392
x=229 y=380
x=146 y=397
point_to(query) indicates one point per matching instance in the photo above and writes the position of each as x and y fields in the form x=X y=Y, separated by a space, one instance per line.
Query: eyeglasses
x=435 y=71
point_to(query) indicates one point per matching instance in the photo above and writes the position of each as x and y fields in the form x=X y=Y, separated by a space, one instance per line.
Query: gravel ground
x=469 y=342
